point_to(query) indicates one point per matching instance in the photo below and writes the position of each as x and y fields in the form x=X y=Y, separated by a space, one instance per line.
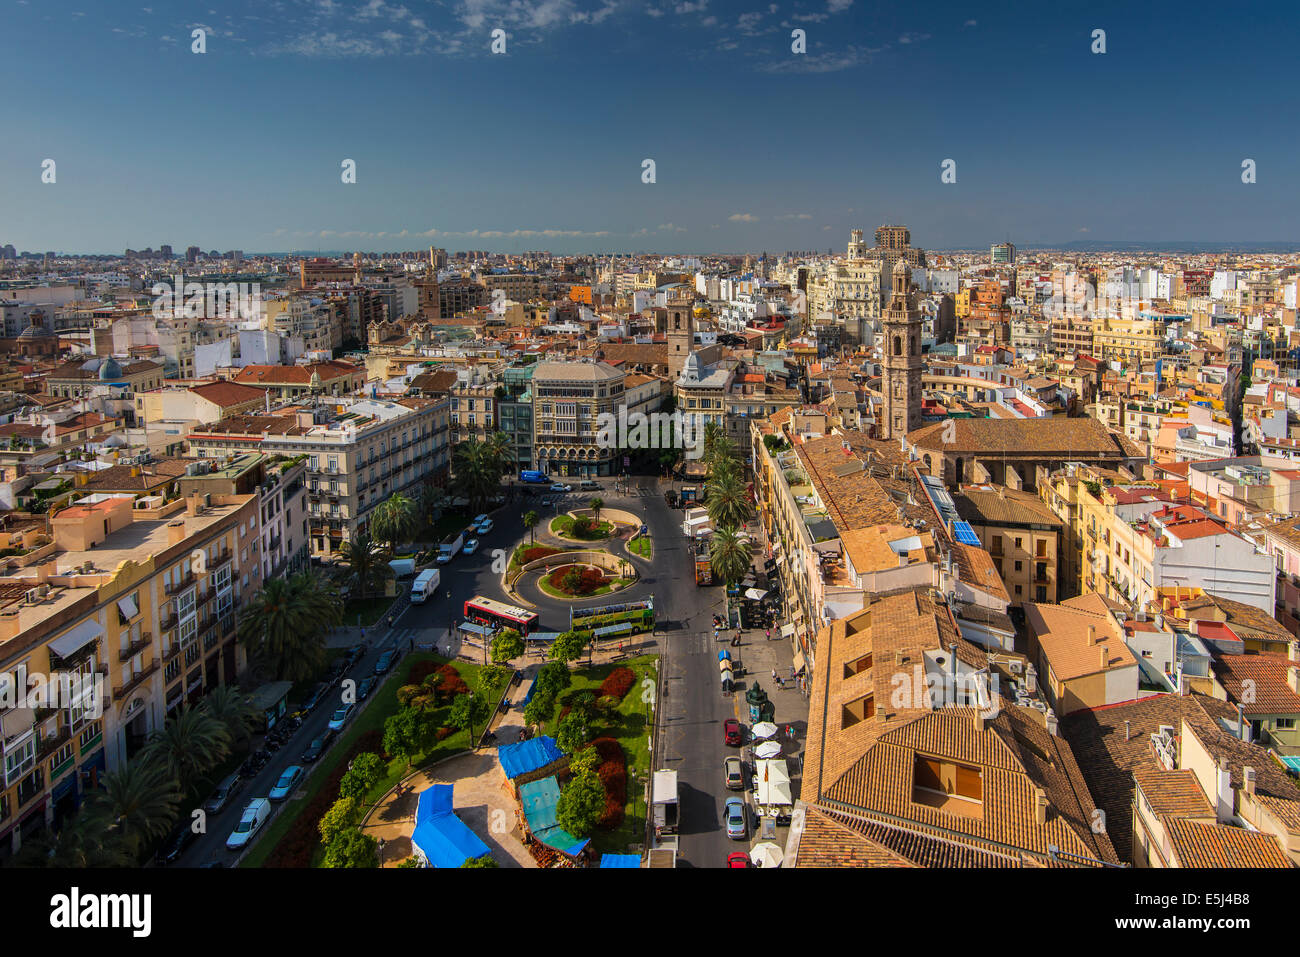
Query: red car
x=731 y=731
x=738 y=861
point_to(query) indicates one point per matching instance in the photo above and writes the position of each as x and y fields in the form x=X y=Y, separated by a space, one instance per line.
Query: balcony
x=129 y=652
x=185 y=582
x=135 y=681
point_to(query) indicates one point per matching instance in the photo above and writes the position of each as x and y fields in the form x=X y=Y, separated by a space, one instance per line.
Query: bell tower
x=680 y=334
x=901 y=381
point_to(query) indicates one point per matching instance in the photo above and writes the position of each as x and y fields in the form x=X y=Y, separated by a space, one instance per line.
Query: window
x=1284 y=724
x=938 y=777
x=857 y=710
x=857 y=665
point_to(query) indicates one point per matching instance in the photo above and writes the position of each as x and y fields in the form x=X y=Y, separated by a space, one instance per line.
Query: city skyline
x=755 y=147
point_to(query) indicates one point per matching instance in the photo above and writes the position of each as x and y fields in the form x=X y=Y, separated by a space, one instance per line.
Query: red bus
x=487 y=611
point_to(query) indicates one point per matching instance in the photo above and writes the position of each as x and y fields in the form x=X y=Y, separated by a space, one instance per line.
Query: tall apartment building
x=136 y=598
x=473 y=412
x=359 y=453
x=1002 y=254
x=567 y=399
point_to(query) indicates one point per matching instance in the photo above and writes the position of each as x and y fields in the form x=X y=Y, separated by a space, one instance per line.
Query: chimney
x=192 y=504
x=1092 y=635
x=1248 y=780
x=1128 y=729
x=10 y=625
x=1243 y=729
x=979 y=720
x=1051 y=722
x=1105 y=656
x=175 y=532
x=1223 y=792
x=1040 y=805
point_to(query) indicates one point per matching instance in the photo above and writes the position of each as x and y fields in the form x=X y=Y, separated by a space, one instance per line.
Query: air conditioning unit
x=1015 y=666
x=33 y=596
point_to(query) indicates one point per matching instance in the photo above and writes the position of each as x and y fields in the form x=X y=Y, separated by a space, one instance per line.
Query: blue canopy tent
x=620 y=860
x=525 y=756
x=440 y=837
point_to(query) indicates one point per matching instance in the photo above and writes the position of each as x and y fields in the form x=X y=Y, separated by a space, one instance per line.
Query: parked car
x=340 y=717
x=737 y=819
x=220 y=797
x=589 y=485
x=314 y=750
x=181 y=837
x=384 y=663
x=731 y=731
x=355 y=654
x=288 y=781
x=734 y=773
x=557 y=487
x=315 y=696
x=364 y=687
x=484 y=526
x=738 y=860
x=479 y=520
x=471 y=546
x=548 y=499
x=254 y=816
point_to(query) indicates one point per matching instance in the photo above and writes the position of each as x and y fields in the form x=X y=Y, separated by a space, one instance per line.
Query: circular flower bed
x=578 y=579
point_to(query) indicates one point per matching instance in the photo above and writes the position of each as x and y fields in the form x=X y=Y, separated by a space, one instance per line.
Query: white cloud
x=838 y=6
x=789 y=216
x=743 y=218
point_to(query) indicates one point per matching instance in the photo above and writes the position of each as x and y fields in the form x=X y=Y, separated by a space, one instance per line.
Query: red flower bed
x=538 y=551
x=589 y=580
x=612 y=772
x=419 y=671
x=452 y=684
x=618 y=683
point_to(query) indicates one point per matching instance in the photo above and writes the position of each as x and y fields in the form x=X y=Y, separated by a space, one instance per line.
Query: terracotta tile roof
x=866 y=496
x=295 y=375
x=1173 y=792
x=999 y=505
x=1270 y=692
x=1085 y=437
x=826 y=842
x=1109 y=759
x=228 y=394
x=1214 y=845
x=1062 y=634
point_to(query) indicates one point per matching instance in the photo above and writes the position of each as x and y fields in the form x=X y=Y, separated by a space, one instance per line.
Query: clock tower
x=901 y=381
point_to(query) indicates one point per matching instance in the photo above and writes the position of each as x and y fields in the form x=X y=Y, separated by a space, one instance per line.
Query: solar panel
x=965 y=534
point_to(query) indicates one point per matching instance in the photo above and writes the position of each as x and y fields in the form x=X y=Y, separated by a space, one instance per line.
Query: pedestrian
x=768 y=633
x=412 y=645
x=363 y=635
x=774 y=674
x=792 y=672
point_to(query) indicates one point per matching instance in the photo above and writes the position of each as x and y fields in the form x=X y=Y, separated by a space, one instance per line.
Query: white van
x=255 y=815
x=425 y=584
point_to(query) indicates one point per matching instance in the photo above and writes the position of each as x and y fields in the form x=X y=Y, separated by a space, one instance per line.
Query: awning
x=73 y=641
x=755 y=594
x=127 y=607
x=798 y=661
x=787 y=631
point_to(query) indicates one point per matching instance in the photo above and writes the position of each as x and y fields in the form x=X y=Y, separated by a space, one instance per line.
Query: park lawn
x=370 y=610
x=563 y=526
x=383 y=704
x=629 y=726
x=641 y=545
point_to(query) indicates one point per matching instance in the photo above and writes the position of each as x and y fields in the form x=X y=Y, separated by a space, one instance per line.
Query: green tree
x=409 y=734
x=230 y=706
x=540 y=709
x=395 y=520
x=727 y=500
x=139 y=801
x=568 y=647
x=585 y=759
x=351 y=848
x=467 y=711
x=343 y=814
x=367 y=770
x=553 y=677
x=476 y=468
x=507 y=646
x=188 y=745
x=531 y=518
x=284 y=626
x=730 y=555
x=410 y=862
x=596 y=504
x=364 y=559
x=581 y=804
x=574 y=732
x=87 y=840
x=485 y=861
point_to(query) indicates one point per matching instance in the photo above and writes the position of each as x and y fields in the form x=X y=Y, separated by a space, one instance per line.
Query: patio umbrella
x=755 y=594
x=766 y=854
x=764 y=729
x=768 y=749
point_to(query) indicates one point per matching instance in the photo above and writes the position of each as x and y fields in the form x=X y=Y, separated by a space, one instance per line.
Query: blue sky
x=756 y=148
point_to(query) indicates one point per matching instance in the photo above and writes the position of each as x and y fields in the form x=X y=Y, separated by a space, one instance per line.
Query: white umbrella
x=764 y=729
x=766 y=854
x=768 y=749
x=755 y=595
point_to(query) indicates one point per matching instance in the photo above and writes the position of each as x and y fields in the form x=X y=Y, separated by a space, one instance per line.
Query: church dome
x=110 y=370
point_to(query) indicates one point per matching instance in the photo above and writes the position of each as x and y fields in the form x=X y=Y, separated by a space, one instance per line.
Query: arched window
x=898 y=345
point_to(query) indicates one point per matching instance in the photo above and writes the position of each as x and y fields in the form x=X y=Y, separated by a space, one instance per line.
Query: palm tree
x=712 y=432
x=188 y=745
x=476 y=470
x=283 y=628
x=596 y=504
x=87 y=840
x=727 y=500
x=364 y=558
x=498 y=452
x=231 y=707
x=730 y=555
x=531 y=518
x=394 y=520
x=139 y=802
